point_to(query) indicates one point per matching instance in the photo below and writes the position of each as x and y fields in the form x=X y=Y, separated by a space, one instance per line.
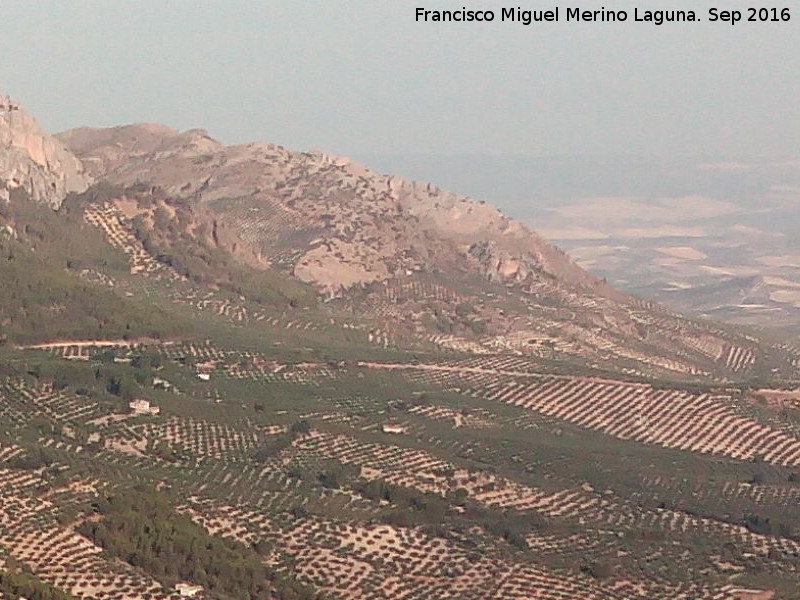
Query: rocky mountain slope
x=332 y=222
x=414 y=266
x=35 y=161
x=425 y=268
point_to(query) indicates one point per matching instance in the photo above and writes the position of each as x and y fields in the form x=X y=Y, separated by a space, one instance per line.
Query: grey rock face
x=35 y=161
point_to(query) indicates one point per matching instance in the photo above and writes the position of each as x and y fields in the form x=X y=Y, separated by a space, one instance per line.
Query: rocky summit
x=345 y=224
x=35 y=161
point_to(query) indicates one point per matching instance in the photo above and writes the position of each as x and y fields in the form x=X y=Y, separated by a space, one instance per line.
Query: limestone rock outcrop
x=35 y=161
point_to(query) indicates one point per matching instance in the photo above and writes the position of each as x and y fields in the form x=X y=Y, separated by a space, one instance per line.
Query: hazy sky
x=360 y=77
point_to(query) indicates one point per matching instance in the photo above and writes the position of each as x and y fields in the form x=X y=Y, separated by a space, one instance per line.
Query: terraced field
x=476 y=477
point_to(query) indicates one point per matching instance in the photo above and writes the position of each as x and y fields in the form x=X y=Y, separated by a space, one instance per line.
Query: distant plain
x=712 y=237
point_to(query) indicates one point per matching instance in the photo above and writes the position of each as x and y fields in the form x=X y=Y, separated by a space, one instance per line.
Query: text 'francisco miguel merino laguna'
x=556 y=14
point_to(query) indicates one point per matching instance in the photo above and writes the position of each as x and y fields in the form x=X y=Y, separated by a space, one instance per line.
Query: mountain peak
x=34 y=160
x=330 y=221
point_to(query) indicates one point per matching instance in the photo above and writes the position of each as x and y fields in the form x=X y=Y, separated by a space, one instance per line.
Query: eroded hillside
x=425 y=266
x=329 y=220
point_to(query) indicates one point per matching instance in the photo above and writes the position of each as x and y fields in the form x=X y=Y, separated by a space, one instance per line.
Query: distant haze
x=530 y=188
x=361 y=78
x=716 y=238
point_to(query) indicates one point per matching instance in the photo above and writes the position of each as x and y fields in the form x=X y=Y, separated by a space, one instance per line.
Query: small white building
x=143 y=407
x=204 y=376
x=395 y=429
x=188 y=590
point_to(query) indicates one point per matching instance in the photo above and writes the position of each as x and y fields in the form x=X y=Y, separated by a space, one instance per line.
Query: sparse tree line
x=102 y=378
x=438 y=515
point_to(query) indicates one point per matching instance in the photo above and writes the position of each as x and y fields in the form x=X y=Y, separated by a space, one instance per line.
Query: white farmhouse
x=188 y=590
x=143 y=407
